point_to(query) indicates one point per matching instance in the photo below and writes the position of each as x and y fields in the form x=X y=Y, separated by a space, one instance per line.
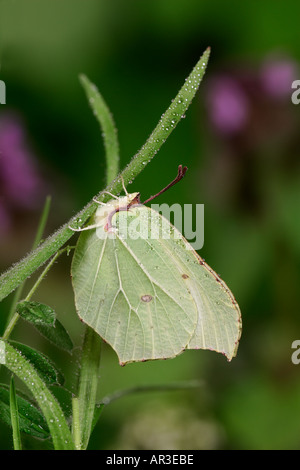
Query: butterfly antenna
x=180 y=175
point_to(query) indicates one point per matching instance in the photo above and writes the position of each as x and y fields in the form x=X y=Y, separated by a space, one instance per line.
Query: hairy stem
x=38 y=238
x=16 y=316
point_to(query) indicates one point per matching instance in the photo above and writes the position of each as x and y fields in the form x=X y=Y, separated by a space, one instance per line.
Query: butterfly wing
x=147 y=292
x=132 y=293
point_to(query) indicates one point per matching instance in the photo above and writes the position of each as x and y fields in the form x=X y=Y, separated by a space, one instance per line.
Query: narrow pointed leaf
x=57 y=334
x=42 y=364
x=21 y=367
x=109 y=131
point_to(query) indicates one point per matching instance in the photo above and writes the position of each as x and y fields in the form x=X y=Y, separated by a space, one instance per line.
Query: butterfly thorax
x=105 y=213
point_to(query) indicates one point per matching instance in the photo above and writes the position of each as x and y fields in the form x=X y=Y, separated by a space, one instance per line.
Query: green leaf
x=109 y=131
x=44 y=320
x=57 y=334
x=14 y=415
x=36 y=313
x=31 y=420
x=42 y=364
x=21 y=367
x=10 y=279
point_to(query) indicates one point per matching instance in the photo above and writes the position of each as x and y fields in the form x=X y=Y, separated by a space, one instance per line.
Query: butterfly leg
x=99 y=202
x=89 y=227
x=110 y=194
x=123 y=184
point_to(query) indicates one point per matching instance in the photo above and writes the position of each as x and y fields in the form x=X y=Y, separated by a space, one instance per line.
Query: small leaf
x=42 y=364
x=43 y=318
x=56 y=334
x=36 y=313
x=31 y=420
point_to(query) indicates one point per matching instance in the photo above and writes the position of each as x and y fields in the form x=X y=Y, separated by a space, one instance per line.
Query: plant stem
x=38 y=237
x=90 y=361
x=16 y=316
x=14 y=414
x=88 y=382
x=42 y=222
x=175 y=386
x=20 y=271
x=76 y=431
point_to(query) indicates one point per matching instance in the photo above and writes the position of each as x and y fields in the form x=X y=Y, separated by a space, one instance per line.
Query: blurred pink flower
x=227 y=104
x=248 y=97
x=21 y=184
x=277 y=77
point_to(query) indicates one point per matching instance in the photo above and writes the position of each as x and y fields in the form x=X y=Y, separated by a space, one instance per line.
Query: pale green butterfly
x=150 y=296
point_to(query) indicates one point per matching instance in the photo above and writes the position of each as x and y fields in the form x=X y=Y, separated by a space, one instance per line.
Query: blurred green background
x=240 y=140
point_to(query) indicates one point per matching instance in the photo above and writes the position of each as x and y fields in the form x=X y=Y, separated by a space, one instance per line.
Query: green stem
x=42 y=222
x=38 y=237
x=88 y=383
x=20 y=271
x=14 y=415
x=47 y=268
x=169 y=120
x=16 y=316
x=76 y=428
x=90 y=361
x=10 y=326
x=175 y=386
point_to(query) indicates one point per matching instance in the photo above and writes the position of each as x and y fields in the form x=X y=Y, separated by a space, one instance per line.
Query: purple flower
x=227 y=105
x=277 y=77
x=21 y=185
